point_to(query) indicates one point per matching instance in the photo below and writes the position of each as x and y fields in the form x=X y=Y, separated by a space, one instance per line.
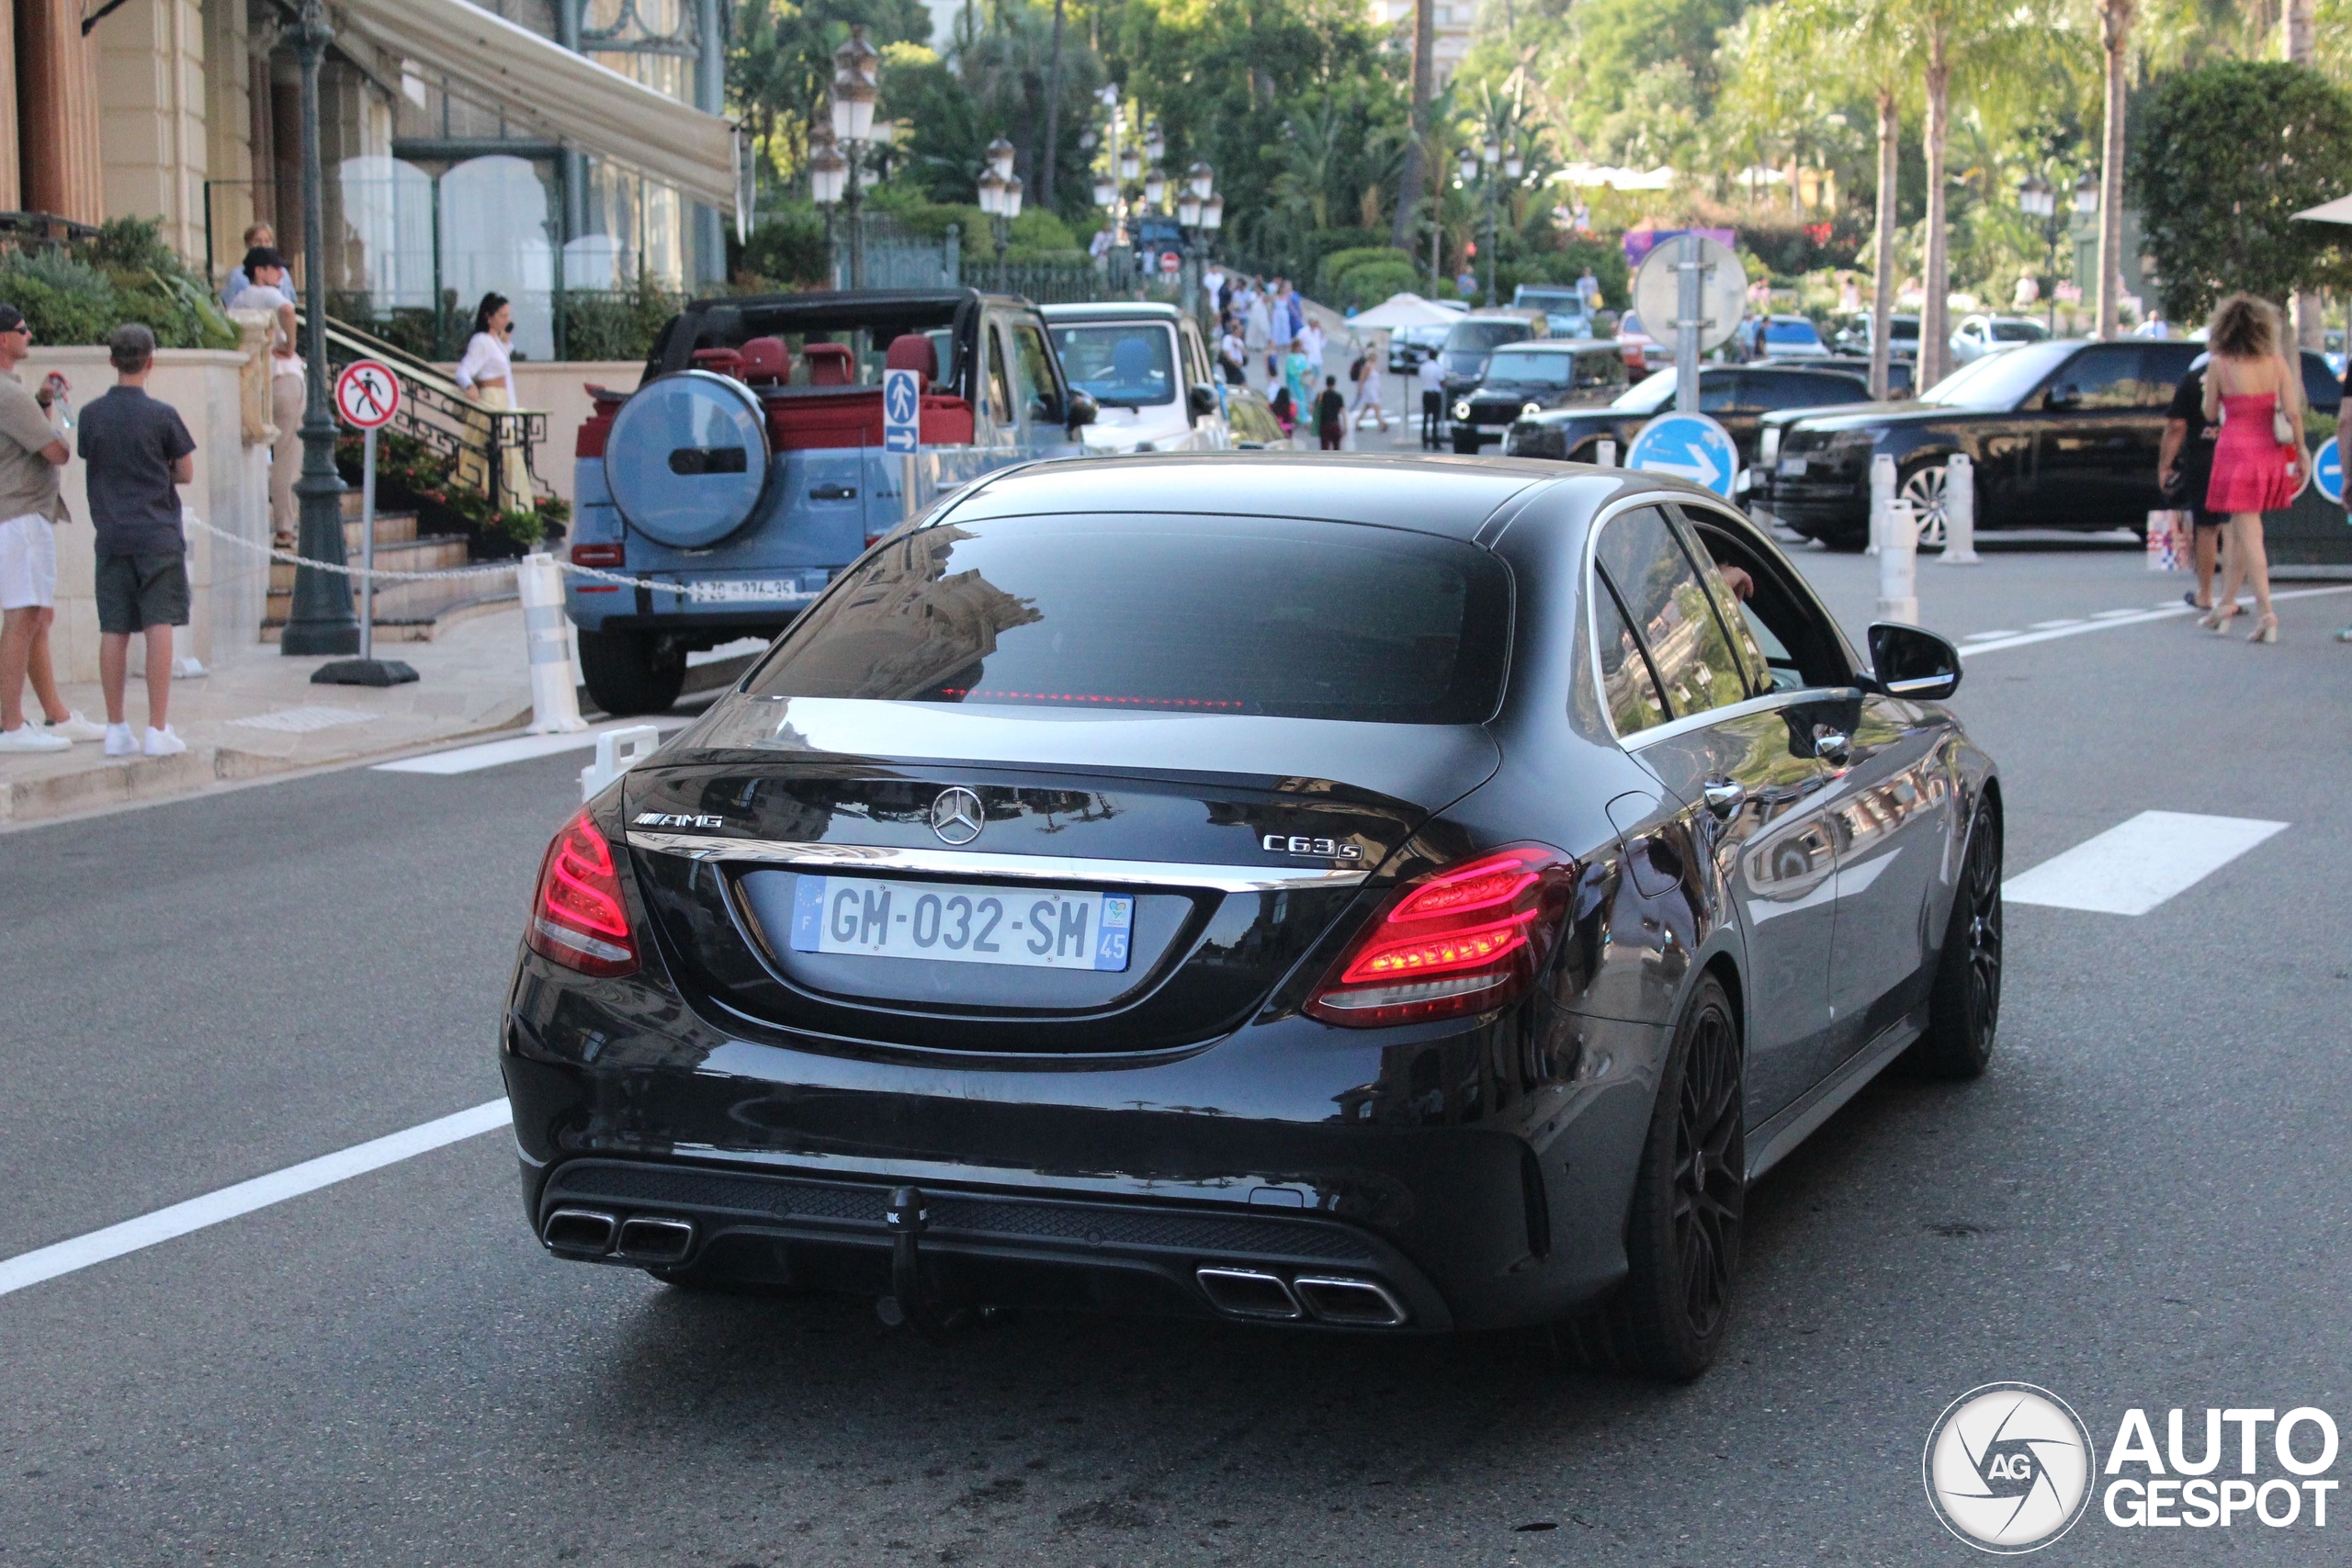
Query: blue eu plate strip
x=808 y=914
x=1111 y=937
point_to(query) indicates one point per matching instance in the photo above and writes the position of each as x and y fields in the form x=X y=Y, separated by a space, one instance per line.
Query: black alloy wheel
x=1667 y=1320
x=1964 y=1006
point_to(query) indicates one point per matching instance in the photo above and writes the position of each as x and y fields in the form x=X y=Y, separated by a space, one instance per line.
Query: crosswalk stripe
x=2137 y=864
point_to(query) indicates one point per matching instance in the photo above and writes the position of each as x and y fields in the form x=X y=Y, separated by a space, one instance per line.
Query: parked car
x=1566 y=313
x=1977 y=337
x=1148 y=372
x=1526 y=378
x=2061 y=434
x=1471 y=340
x=1780 y=337
x=1641 y=352
x=1408 y=346
x=1902 y=336
x=747 y=466
x=1371 y=893
x=1735 y=396
x=1251 y=419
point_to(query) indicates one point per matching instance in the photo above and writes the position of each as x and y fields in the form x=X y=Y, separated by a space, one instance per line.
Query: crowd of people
x=1265 y=321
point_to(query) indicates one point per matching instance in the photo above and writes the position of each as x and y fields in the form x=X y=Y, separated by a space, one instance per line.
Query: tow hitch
x=909 y=1303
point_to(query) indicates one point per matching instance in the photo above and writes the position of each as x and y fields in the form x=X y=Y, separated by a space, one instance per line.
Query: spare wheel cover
x=687 y=458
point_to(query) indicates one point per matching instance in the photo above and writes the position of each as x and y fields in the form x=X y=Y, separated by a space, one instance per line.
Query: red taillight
x=594 y=430
x=1467 y=940
x=578 y=919
x=598 y=555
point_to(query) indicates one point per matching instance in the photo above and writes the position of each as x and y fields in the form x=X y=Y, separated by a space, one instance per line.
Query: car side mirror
x=1084 y=409
x=1204 y=400
x=2065 y=395
x=1908 y=662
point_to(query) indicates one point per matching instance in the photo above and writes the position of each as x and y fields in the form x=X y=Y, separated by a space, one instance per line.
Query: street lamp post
x=856 y=70
x=2037 y=199
x=828 y=170
x=2086 y=195
x=320 y=619
x=1490 y=154
x=1200 y=212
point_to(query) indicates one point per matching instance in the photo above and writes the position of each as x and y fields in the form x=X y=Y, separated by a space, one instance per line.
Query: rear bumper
x=1420 y=1160
x=982 y=1247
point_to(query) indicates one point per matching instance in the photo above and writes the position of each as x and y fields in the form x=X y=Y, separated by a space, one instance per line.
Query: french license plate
x=1033 y=927
x=737 y=590
x=1793 y=467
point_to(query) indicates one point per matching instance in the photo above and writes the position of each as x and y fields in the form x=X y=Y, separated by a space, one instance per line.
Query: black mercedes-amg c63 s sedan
x=1368 y=894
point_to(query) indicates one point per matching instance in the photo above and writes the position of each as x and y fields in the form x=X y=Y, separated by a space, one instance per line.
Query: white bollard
x=617 y=751
x=554 y=697
x=1898 y=563
x=1882 y=495
x=1607 y=455
x=1960 y=512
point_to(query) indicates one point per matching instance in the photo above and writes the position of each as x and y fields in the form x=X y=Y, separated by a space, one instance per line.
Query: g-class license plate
x=960 y=923
x=734 y=590
x=1793 y=467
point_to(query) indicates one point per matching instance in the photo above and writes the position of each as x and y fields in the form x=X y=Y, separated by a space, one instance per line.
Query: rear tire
x=631 y=672
x=1964 y=1005
x=1667 y=1319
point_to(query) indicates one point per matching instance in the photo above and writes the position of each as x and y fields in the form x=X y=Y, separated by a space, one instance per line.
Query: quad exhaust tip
x=593 y=1232
x=585 y=1231
x=1269 y=1298
x=655 y=1240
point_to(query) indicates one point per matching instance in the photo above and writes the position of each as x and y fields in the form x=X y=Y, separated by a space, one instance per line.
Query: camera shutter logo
x=957 y=816
x=2010 y=1467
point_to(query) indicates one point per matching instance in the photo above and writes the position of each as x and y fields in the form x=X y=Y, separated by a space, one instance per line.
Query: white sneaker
x=32 y=738
x=120 y=742
x=165 y=742
x=74 y=727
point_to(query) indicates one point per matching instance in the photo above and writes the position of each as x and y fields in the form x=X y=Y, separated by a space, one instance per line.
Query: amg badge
x=675 y=819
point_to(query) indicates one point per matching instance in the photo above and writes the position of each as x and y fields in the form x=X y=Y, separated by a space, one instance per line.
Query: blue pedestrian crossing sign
x=901 y=410
x=2327 y=470
x=1689 y=446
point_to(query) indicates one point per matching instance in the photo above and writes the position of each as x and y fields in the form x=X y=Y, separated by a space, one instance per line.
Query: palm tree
x=2302 y=49
x=1417 y=160
x=2115 y=19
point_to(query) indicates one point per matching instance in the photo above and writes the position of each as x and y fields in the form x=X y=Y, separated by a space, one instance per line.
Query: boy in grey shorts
x=140 y=453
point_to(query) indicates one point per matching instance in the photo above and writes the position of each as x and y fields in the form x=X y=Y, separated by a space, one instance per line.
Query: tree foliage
x=2226 y=155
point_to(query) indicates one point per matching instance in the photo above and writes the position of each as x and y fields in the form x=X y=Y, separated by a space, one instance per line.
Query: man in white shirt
x=1311 y=344
x=1431 y=375
x=267 y=292
x=239 y=280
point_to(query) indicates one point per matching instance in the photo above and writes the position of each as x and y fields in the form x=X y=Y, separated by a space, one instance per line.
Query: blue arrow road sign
x=901 y=410
x=2327 y=470
x=1688 y=445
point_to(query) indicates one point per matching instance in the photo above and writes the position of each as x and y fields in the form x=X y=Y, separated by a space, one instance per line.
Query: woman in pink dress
x=2254 y=393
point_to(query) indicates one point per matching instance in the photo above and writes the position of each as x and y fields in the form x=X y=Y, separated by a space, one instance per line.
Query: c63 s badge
x=675 y=819
x=1313 y=848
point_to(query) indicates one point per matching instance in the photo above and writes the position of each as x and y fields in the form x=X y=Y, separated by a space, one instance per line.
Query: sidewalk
x=260 y=714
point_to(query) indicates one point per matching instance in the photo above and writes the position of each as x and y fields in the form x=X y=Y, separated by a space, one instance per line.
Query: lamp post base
x=363 y=673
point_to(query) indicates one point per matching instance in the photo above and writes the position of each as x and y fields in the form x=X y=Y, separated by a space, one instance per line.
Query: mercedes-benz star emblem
x=958 y=817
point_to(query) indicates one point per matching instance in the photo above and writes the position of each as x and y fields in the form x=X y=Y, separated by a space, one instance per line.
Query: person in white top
x=1431 y=375
x=486 y=374
x=1310 y=344
x=266 y=290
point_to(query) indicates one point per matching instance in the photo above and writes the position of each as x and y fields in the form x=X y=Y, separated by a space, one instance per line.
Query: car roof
x=1433 y=494
x=1559 y=345
x=1112 y=310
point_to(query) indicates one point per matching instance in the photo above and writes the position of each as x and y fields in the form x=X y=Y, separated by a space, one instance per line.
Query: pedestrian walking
x=1330 y=414
x=2257 y=399
x=1366 y=373
x=486 y=374
x=2185 y=469
x=1297 y=375
x=1232 y=356
x=1311 y=343
x=267 y=291
x=1431 y=377
x=31 y=506
x=139 y=453
x=240 y=279
x=1284 y=410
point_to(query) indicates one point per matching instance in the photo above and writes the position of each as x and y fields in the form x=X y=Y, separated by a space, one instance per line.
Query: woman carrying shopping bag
x=2257 y=462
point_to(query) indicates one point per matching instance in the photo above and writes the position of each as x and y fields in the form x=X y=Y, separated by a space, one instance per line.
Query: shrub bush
x=79 y=292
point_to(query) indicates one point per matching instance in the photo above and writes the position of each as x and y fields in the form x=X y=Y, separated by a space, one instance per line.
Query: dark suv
x=1525 y=378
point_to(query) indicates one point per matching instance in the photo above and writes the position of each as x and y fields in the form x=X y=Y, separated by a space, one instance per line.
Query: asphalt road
x=2144 y=1203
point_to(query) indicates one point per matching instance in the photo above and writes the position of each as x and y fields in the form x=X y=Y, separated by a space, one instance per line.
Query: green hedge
x=79 y=292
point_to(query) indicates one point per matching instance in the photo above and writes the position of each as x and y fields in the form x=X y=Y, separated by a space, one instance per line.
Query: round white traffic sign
x=366 y=394
x=1722 y=292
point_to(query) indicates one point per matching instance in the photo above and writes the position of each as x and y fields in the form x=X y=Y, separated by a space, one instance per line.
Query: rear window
x=1480 y=337
x=1278 y=618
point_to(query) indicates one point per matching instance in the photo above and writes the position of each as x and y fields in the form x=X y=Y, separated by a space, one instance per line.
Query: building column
x=12 y=185
x=58 y=113
x=149 y=59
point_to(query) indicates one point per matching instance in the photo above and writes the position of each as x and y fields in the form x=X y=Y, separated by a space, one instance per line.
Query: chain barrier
x=380 y=574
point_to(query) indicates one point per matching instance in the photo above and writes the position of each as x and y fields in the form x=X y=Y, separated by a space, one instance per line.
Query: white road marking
x=2136 y=865
x=2138 y=618
x=2046 y=625
x=2111 y=615
x=1981 y=636
x=178 y=1220
x=497 y=753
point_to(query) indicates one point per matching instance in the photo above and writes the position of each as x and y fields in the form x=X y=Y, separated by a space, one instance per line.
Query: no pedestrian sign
x=366 y=394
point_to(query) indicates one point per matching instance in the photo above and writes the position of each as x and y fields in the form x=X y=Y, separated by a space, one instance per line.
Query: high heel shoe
x=2266 y=629
x=2217 y=619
